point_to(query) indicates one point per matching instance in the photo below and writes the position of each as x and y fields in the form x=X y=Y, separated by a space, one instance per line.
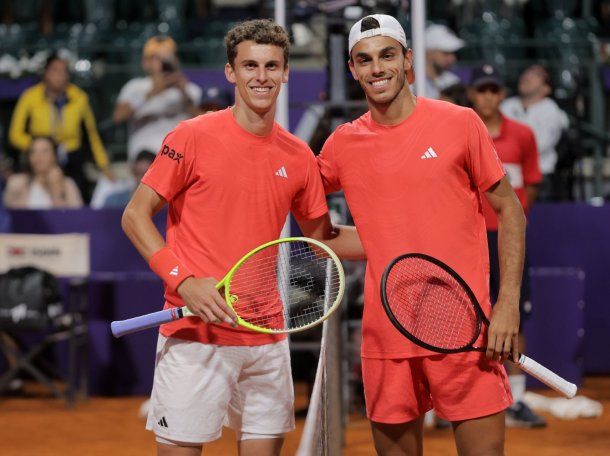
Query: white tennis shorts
x=199 y=388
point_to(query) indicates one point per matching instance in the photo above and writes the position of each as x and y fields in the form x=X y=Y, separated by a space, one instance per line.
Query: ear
x=286 y=73
x=352 y=69
x=230 y=73
x=502 y=94
x=408 y=66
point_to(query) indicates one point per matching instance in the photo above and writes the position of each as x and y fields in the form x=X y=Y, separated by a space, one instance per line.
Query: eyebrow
x=250 y=61
x=383 y=51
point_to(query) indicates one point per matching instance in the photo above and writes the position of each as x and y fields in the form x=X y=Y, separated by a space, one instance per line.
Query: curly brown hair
x=261 y=31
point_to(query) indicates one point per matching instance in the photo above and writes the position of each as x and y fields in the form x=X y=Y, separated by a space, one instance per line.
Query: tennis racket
x=283 y=286
x=432 y=305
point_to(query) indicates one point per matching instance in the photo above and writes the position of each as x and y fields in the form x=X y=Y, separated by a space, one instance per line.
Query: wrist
x=169 y=268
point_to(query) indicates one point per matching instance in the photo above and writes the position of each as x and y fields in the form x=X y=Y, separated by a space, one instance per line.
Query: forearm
x=531 y=192
x=511 y=248
x=342 y=239
x=122 y=112
x=346 y=243
x=142 y=232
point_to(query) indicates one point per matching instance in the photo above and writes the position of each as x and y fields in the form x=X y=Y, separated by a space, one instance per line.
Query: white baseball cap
x=387 y=26
x=440 y=37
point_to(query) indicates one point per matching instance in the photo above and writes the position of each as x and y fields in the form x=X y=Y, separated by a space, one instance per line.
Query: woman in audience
x=43 y=185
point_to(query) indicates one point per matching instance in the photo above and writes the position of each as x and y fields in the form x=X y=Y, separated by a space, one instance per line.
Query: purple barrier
x=573 y=235
x=559 y=235
x=555 y=328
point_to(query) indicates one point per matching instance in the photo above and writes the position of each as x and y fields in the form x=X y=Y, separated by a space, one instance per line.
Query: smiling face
x=380 y=65
x=258 y=72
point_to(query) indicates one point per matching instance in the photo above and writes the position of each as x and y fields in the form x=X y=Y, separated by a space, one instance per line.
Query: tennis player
x=230 y=178
x=412 y=170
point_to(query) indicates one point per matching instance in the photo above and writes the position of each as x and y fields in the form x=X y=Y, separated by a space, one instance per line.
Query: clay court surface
x=41 y=426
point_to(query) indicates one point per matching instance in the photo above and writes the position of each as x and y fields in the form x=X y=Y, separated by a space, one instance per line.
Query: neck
x=257 y=123
x=493 y=123
x=396 y=111
x=52 y=94
x=528 y=100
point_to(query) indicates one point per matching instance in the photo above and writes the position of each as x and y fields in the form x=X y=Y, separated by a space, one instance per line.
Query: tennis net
x=323 y=430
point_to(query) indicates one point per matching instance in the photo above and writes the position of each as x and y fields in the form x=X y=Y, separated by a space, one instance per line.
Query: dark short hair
x=52 y=58
x=261 y=31
x=146 y=155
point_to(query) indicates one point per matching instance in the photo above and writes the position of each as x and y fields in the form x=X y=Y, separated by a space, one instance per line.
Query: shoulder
x=353 y=128
x=550 y=106
x=137 y=84
x=212 y=122
x=35 y=91
x=292 y=142
x=18 y=181
x=441 y=111
x=76 y=92
x=517 y=127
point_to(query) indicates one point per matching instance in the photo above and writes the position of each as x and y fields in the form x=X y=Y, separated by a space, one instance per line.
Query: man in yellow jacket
x=56 y=108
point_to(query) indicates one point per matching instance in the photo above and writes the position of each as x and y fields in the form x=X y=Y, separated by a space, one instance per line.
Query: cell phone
x=167 y=66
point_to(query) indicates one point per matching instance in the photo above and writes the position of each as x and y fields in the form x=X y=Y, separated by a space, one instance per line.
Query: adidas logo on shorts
x=162 y=422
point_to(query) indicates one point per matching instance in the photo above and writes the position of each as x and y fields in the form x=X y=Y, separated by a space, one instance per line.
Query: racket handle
x=122 y=327
x=548 y=377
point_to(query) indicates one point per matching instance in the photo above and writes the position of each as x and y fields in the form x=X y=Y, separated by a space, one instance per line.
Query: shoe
x=520 y=415
x=441 y=423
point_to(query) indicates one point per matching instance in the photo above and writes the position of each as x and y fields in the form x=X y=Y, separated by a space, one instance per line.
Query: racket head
x=284 y=286
x=430 y=304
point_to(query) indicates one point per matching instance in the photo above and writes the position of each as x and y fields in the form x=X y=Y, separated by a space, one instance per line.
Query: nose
x=261 y=74
x=377 y=68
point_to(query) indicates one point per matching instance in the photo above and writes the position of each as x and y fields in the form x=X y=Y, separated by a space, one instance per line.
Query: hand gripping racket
x=432 y=305
x=283 y=286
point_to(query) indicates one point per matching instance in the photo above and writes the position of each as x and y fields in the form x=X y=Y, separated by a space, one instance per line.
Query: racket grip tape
x=547 y=377
x=131 y=325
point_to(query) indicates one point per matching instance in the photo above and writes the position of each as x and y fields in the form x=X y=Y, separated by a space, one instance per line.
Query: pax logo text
x=171 y=153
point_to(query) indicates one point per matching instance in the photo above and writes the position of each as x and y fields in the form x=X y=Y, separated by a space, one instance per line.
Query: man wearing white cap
x=441 y=46
x=413 y=171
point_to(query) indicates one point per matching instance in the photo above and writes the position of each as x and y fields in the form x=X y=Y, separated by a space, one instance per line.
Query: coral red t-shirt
x=229 y=191
x=517 y=150
x=414 y=187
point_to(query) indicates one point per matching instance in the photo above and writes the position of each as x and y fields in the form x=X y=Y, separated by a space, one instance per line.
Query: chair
x=65 y=256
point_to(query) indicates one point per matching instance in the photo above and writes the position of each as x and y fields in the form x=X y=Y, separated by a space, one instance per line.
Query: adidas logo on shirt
x=174 y=272
x=429 y=154
x=282 y=173
x=162 y=422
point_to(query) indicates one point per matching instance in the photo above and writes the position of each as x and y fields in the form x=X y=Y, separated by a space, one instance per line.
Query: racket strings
x=286 y=286
x=431 y=304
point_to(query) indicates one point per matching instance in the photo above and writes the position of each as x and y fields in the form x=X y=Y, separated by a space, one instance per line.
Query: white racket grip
x=548 y=377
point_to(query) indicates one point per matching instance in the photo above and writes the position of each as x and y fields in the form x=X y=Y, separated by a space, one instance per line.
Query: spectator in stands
x=215 y=99
x=43 y=185
x=441 y=46
x=119 y=199
x=534 y=107
x=516 y=148
x=58 y=109
x=456 y=94
x=156 y=103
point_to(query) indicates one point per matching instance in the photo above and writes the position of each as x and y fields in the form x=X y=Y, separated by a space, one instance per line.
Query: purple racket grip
x=131 y=325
